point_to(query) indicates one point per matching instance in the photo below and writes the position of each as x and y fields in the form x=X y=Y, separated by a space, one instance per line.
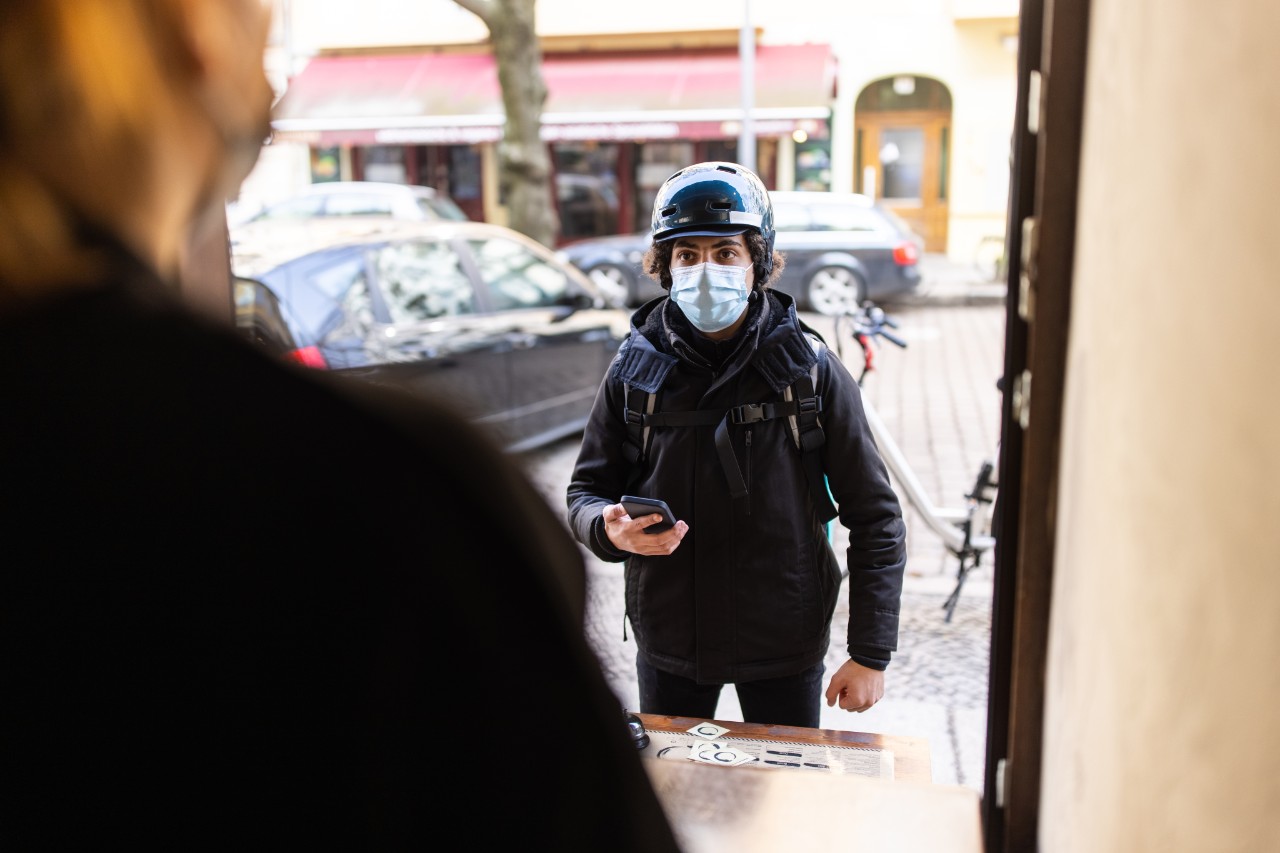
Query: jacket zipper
x=746 y=474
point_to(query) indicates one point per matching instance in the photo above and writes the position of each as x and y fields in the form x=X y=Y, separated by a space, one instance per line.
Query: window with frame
x=358 y=204
x=835 y=217
x=516 y=276
x=294 y=208
x=423 y=280
x=791 y=217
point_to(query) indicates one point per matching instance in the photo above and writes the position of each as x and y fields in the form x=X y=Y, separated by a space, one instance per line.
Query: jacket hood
x=777 y=345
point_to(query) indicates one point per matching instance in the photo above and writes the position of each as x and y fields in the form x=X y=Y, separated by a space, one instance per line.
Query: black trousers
x=791 y=700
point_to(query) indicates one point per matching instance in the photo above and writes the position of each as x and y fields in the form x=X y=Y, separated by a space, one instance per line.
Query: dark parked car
x=475 y=312
x=841 y=249
x=259 y=318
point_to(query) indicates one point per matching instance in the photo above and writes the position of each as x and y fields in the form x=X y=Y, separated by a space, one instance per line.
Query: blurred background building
x=908 y=101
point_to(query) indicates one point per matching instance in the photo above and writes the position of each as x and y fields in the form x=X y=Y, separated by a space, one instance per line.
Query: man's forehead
x=695 y=242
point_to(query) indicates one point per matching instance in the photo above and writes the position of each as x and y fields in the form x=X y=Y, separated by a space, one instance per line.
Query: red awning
x=455 y=97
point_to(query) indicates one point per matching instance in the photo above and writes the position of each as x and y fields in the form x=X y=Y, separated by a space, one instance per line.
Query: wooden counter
x=750 y=808
x=910 y=754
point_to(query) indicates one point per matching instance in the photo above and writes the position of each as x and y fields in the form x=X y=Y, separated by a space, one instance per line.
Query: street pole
x=747 y=59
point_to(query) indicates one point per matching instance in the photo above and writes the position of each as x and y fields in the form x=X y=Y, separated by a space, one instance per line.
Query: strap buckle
x=747 y=414
x=810 y=405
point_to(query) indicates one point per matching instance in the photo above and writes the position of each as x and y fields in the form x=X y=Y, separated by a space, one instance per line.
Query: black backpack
x=800 y=404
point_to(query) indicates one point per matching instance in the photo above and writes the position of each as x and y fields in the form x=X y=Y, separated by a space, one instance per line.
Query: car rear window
x=295 y=208
x=441 y=208
x=357 y=204
x=838 y=217
x=795 y=216
x=898 y=222
x=791 y=217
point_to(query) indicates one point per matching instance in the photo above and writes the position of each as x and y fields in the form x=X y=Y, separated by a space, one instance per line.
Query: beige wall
x=976 y=65
x=1162 y=726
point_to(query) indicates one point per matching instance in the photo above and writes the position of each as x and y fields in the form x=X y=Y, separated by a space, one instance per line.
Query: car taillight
x=308 y=357
x=905 y=253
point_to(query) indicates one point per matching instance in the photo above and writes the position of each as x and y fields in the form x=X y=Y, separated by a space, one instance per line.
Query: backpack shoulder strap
x=806 y=428
x=637 y=403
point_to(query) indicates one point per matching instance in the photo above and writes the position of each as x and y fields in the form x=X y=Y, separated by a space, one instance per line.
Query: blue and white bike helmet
x=707 y=199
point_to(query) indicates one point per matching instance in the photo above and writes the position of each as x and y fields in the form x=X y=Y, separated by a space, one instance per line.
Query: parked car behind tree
x=841 y=249
x=356 y=198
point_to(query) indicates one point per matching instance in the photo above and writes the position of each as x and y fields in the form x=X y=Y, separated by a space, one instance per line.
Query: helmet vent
x=669 y=210
x=719 y=205
x=729 y=169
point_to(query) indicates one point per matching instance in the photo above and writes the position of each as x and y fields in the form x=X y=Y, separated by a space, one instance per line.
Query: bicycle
x=965 y=530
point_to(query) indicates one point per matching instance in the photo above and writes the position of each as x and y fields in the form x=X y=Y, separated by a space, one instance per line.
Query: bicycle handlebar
x=872 y=322
x=892 y=338
x=869 y=322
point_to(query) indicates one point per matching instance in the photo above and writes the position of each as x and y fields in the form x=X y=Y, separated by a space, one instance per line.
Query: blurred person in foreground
x=244 y=605
x=742 y=590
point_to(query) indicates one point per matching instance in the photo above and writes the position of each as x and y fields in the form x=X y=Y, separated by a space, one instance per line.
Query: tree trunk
x=524 y=166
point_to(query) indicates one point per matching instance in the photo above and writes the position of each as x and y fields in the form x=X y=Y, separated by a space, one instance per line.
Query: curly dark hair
x=657 y=261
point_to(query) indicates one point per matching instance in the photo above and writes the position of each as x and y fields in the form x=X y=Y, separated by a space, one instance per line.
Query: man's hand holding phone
x=643 y=526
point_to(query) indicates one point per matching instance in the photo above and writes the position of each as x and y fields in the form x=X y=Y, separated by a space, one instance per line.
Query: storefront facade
x=909 y=102
x=616 y=123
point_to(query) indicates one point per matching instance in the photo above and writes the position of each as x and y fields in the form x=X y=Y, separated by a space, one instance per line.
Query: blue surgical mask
x=712 y=296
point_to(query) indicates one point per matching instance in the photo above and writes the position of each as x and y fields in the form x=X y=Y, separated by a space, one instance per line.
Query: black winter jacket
x=751 y=590
x=220 y=618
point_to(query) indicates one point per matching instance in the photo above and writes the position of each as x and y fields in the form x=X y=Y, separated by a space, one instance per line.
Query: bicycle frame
x=961 y=529
x=965 y=531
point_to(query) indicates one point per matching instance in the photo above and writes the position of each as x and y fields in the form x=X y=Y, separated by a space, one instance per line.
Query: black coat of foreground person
x=246 y=606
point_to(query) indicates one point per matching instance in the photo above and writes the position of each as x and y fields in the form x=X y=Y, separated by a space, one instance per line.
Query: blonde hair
x=86 y=87
x=74 y=77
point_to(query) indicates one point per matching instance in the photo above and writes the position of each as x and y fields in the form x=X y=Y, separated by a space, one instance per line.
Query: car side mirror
x=576 y=300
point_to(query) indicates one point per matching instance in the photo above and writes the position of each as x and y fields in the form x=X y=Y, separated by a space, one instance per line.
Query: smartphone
x=637 y=507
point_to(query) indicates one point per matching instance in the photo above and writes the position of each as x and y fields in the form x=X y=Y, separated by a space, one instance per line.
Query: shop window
x=813 y=165
x=384 y=163
x=464 y=173
x=725 y=150
x=655 y=162
x=586 y=188
x=325 y=165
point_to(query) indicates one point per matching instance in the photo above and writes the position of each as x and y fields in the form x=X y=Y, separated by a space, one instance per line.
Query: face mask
x=712 y=296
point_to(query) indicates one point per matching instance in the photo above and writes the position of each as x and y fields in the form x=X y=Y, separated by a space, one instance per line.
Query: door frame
x=1041 y=236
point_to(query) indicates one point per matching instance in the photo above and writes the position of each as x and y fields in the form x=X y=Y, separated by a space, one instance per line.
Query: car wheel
x=835 y=290
x=614 y=284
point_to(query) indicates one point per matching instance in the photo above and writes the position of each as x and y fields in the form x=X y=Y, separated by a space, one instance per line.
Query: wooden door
x=902 y=159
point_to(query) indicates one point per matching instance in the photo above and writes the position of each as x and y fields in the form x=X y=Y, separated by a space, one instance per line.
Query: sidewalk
x=947 y=282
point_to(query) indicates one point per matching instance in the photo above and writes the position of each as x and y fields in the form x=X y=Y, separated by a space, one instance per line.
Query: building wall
x=1163 y=682
x=963 y=43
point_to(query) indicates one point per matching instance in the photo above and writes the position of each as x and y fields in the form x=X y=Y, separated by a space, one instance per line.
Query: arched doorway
x=902 y=151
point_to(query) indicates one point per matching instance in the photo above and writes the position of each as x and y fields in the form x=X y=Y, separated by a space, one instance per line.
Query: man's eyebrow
x=727 y=241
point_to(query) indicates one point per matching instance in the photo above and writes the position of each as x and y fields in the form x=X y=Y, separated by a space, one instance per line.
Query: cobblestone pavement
x=938 y=398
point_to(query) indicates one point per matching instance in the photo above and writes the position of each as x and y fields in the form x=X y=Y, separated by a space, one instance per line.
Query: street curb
x=991 y=294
